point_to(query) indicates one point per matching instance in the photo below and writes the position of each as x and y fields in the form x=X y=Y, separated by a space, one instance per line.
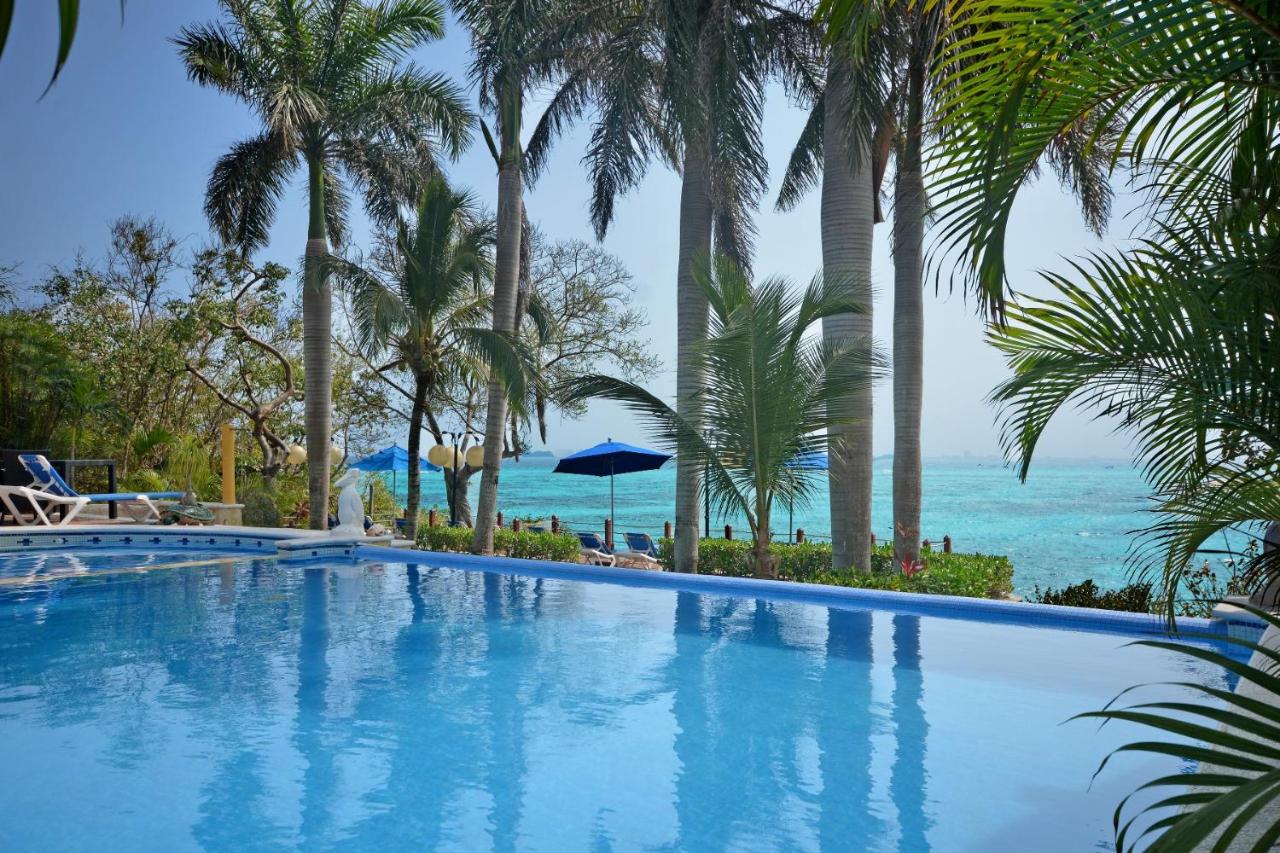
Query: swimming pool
x=184 y=699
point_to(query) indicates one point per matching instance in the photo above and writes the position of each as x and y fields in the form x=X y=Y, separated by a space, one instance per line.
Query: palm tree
x=685 y=78
x=517 y=45
x=845 y=145
x=771 y=392
x=326 y=81
x=429 y=305
x=1176 y=335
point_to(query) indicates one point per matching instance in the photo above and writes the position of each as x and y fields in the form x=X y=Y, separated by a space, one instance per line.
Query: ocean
x=1071 y=521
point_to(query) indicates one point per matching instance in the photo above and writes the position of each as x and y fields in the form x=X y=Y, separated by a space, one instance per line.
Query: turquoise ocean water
x=1070 y=521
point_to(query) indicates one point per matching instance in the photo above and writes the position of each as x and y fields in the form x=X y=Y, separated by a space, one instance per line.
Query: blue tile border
x=248 y=540
x=955 y=607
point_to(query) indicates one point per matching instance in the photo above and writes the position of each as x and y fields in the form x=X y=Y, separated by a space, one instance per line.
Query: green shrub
x=523 y=545
x=260 y=509
x=976 y=575
x=1134 y=598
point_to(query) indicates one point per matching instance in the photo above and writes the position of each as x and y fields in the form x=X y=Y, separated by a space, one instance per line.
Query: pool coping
x=952 y=606
x=271 y=541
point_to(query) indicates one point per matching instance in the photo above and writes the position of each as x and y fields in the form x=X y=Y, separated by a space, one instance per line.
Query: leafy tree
x=771 y=394
x=327 y=82
x=245 y=352
x=33 y=401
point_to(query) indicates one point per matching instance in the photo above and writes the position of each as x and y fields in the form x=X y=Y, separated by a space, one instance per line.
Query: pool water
x=183 y=700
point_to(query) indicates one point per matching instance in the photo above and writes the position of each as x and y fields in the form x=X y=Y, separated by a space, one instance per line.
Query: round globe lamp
x=297 y=455
x=440 y=456
x=475 y=456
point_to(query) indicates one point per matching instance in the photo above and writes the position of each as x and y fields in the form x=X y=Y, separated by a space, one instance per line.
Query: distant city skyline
x=123 y=131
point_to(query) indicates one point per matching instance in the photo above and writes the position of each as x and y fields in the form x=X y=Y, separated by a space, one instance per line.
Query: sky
x=124 y=131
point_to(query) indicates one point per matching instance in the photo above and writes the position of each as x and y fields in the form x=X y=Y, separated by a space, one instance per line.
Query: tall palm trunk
x=413 y=498
x=848 y=211
x=691 y=327
x=506 y=280
x=317 y=358
x=908 y=323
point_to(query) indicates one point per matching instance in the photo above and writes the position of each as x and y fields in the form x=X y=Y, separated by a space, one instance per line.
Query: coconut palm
x=517 y=45
x=685 y=79
x=772 y=390
x=428 y=305
x=325 y=79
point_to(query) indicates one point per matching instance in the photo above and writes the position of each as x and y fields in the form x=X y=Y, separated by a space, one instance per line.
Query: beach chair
x=594 y=550
x=49 y=492
x=640 y=546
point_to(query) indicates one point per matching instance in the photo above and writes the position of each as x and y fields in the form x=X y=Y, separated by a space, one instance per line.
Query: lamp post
x=454 y=463
x=706 y=490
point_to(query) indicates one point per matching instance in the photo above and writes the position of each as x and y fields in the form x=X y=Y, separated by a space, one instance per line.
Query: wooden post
x=608 y=533
x=946 y=544
x=799 y=535
x=925 y=546
x=515 y=525
x=873 y=540
x=728 y=531
x=431 y=517
x=228 y=465
x=555 y=524
x=666 y=530
x=500 y=520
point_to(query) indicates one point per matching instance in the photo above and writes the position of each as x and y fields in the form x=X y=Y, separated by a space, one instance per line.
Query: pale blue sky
x=124 y=132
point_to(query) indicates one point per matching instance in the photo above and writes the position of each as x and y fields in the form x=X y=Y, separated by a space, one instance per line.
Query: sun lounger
x=640 y=546
x=49 y=492
x=594 y=549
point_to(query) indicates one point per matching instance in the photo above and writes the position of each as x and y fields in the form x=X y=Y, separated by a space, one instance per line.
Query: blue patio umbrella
x=609 y=458
x=813 y=460
x=394 y=459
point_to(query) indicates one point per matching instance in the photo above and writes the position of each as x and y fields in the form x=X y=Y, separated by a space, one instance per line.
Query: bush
x=1134 y=598
x=523 y=545
x=260 y=509
x=975 y=575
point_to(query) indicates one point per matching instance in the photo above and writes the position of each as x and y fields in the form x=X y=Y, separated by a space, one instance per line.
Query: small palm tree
x=325 y=79
x=772 y=392
x=428 y=304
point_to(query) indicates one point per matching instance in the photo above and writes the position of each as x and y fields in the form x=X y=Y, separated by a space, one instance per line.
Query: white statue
x=350 y=507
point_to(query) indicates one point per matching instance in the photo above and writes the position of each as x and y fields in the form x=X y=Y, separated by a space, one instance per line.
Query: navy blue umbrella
x=609 y=458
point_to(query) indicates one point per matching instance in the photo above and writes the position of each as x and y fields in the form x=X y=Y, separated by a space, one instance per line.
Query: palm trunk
x=691 y=327
x=317 y=358
x=764 y=562
x=505 y=285
x=413 y=499
x=908 y=326
x=847 y=218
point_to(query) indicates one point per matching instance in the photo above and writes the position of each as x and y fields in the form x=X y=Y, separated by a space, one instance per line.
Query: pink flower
x=912 y=568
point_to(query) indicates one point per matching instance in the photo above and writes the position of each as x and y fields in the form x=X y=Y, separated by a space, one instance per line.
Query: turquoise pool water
x=186 y=700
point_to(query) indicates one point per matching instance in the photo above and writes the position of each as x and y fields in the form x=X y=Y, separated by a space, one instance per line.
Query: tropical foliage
x=771 y=391
x=559 y=547
x=1176 y=335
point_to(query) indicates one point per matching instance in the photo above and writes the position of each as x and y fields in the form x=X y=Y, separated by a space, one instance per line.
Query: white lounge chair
x=594 y=550
x=640 y=546
x=49 y=492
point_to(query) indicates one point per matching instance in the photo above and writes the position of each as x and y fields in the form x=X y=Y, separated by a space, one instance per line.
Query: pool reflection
x=320 y=707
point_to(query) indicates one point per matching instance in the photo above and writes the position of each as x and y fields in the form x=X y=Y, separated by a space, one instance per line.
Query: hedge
x=974 y=575
x=524 y=545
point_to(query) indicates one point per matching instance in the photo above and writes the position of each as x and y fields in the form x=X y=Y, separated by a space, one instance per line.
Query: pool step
x=324 y=548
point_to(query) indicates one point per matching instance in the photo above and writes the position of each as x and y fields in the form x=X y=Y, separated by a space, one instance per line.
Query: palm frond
x=245 y=187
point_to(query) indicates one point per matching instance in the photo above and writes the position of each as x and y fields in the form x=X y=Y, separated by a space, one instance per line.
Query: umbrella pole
x=612 y=523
